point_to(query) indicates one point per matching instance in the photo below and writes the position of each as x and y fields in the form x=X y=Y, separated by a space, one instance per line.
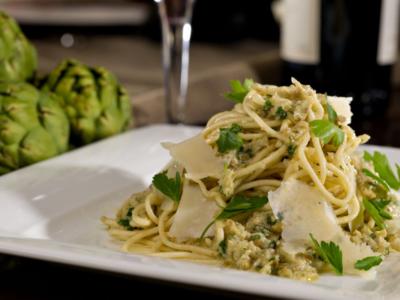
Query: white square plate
x=51 y=211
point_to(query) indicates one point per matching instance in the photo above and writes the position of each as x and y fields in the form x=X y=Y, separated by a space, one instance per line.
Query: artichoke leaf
x=54 y=120
x=36 y=146
x=33 y=126
x=96 y=104
x=18 y=57
x=11 y=132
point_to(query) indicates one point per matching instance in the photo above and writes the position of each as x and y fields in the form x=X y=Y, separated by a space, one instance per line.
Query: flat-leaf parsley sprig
x=367 y=263
x=229 y=138
x=170 y=187
x=386 y=177
x=376 y=210
x=330 y=253
x=239 y=90
x=238 y=204
x=332 y=115
x=328 y=130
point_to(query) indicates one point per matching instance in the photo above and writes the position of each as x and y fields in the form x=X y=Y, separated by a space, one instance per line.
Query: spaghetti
x=277 y=145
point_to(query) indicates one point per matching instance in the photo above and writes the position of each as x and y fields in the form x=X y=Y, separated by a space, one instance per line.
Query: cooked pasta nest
x=274 y=149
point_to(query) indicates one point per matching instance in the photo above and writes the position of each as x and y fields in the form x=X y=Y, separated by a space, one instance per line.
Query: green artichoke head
x=18 y=58
x=33 y=126
x=96 y=104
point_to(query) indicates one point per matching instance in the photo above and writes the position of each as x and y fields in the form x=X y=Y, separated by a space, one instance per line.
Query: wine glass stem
x=176 y=32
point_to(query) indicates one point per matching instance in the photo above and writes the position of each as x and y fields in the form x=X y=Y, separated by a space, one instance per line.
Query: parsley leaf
x=238 y=204
x=125 y=222
x=376 y=178
x=229 y=139
x=281 y=113
x=368 y=262
x=374 y=213
x=267 y=104
x=367 y=156
x=382 y=167
x=170 y=187
x=129 y=212
x=327 y=132
x=332 y=115
x=291 y=150
x=222 y=247
x=380 y=205
x=248 y=83
x=239 y=90
x=330 y=253
x=384 y=214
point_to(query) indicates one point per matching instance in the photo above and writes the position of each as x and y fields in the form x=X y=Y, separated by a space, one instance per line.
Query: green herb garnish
x=239 y=90
x=374 y=212
x=367 y=156
x=229 y=139
x=222 y=247
x=272 y=244
x=379 y=180
x=281 y=113
x=330 y=253
x=332 y=115
x=383 y=169
x=170 y=187
x=327 y=132
x=125 y=222
x=267 y=104
x=238 y=204
x=380 y=205
x=368 y=262
x=129 y=212
x=255 y=237
x=291 y=150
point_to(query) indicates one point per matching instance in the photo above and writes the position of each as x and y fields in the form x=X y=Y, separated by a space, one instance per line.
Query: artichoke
x=33 y=126
x=96 y=104
x=18 y=58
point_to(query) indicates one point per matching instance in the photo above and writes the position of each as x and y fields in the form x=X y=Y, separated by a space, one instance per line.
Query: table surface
x=137 y=63
x=40 y=280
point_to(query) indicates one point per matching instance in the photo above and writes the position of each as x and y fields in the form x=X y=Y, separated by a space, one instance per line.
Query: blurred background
x=125 y=37
x=326 y=43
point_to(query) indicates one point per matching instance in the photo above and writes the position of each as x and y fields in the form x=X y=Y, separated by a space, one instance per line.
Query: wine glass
x=176 y=28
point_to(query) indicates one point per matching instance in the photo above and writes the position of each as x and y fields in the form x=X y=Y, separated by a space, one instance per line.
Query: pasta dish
x=275 y=185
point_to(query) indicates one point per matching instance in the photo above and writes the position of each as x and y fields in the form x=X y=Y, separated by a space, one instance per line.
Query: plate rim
x=20 y=246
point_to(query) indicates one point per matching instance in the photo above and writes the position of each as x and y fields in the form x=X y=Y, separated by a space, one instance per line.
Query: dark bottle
x=342 y=47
